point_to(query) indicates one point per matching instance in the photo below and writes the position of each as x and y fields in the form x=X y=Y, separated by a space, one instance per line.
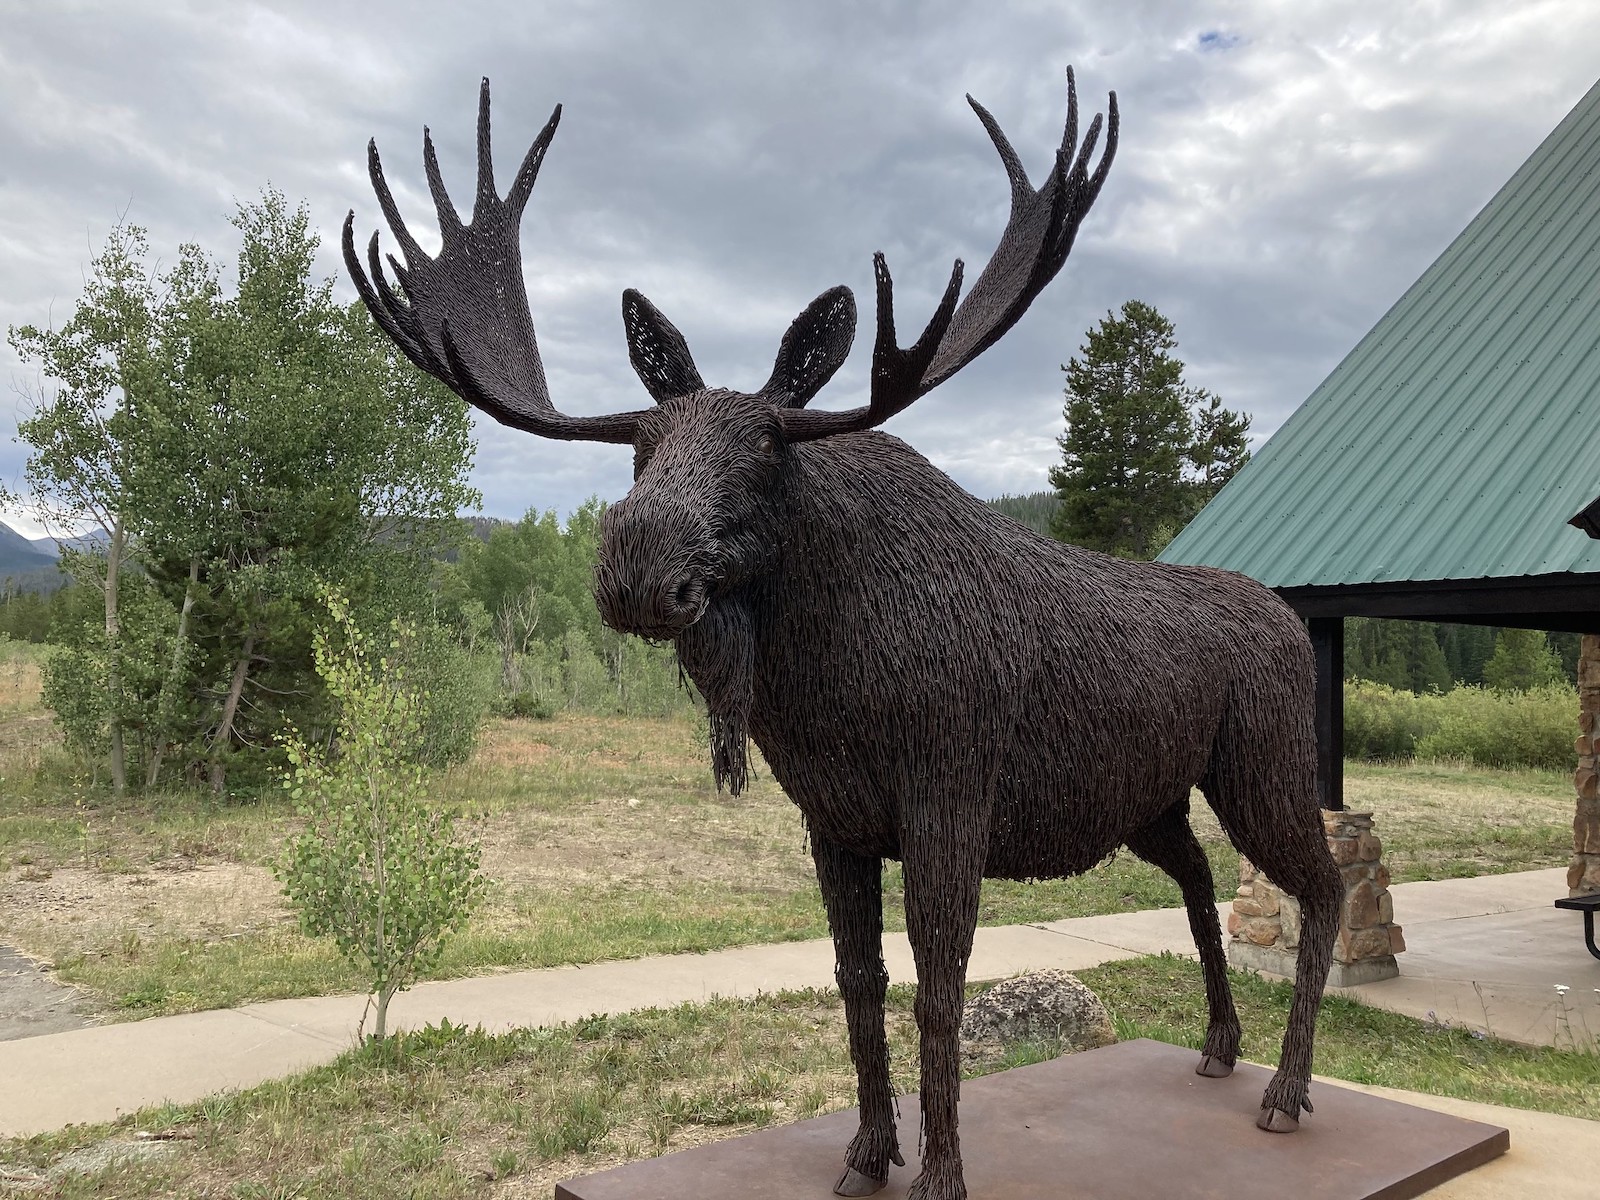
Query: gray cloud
x=1285 y=172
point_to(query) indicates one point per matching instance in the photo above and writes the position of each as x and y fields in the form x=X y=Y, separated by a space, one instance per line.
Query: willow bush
x=1481 y=726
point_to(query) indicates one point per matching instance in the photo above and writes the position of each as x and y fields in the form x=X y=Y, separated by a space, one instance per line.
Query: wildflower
x=1562 y=989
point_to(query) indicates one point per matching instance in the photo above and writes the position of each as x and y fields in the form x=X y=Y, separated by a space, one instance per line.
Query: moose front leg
x=943 y=855
x=852 y=890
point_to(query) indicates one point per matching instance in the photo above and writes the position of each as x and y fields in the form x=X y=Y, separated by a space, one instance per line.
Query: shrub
x=588 y=685
x=73 y=686
x=1490 y=728
x=526 y=705
x=1381 y=722
x=376 y=868
x=1482 y=726
x=455 y=689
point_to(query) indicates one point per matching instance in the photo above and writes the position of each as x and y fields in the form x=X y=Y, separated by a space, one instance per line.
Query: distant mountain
x=19 y=554
x=32 y=564
x=482 y=527
x=52 y=546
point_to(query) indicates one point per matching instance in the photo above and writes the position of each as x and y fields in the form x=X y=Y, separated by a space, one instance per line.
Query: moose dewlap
x=929 y=680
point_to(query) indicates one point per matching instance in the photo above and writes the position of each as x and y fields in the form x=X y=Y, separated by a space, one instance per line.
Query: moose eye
x=766 y=443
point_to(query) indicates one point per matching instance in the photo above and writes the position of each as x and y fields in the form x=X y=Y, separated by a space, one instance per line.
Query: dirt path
x=32 y=1002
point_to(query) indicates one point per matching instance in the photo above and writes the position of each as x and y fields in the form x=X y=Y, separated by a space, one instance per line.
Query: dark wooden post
x=1583 y=875
x=1327 y=643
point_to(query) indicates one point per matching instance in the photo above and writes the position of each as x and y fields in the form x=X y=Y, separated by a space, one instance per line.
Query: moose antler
x=463 y=316
x=1037 y=239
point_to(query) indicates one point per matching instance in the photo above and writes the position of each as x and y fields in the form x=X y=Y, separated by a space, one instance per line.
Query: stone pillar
x=1583 y=876
x=1265 y=923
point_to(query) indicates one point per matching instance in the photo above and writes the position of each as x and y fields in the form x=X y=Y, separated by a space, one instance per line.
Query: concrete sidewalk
x=1488 y=953
x=1484 y=952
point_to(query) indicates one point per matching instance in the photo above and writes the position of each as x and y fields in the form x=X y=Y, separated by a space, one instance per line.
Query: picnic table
x=1587 y=906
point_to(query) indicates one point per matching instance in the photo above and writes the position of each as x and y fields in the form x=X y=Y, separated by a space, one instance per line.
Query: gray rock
x=87 y=1160
x=1047 y=1007
x=90 y=1160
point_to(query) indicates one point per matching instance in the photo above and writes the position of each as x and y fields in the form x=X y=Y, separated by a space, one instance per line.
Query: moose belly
x=839 y=802
x=1032 y=836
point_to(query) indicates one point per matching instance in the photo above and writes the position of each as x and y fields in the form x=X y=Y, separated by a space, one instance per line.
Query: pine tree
x=1566 y=646
x=1221 y=444
x=1400 y=654
x=1466 y=650
x=1142 y=452
x=1522 y=659
x=1035 y=510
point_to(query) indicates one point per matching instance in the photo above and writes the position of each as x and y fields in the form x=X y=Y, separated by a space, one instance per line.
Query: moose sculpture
x=928 y=680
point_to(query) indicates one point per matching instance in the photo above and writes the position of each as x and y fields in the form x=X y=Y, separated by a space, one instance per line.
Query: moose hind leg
x=1275 y=822
x=852 y=890
x=1302 y=867
x=1169 y=844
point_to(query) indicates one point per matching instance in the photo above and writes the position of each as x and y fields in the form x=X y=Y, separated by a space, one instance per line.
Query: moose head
x=712 y=467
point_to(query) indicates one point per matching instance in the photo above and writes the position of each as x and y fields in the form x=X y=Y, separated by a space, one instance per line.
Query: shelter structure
x=1448 y=468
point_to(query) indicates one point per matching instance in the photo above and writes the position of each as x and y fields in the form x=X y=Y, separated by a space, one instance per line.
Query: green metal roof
x=1462 y=432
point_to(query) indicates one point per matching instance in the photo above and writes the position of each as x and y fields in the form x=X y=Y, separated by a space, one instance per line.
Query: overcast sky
x=1286 y=170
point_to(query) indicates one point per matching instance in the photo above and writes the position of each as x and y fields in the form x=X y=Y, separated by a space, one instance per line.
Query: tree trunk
x=119 y=766
x=381 y=1022
x=224 y=735
x=380 y=884
x=174 y=671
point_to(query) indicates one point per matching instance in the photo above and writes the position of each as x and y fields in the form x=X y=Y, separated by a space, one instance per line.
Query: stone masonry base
x=1264 y=925
x=1270 y=960
x=1583 y=874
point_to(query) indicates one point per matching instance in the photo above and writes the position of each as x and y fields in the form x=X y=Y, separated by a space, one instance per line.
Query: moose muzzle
x=653 y=578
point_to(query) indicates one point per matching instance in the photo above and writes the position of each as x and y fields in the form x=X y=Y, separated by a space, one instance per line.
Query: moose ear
x=814 y=348
x=657 y=350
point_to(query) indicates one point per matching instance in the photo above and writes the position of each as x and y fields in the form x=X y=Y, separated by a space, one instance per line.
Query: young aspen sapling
x=377 y=868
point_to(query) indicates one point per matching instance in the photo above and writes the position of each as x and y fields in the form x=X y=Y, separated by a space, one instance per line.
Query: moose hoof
x=1214 y=1068
x=1275 y=1120
x=854 y=1183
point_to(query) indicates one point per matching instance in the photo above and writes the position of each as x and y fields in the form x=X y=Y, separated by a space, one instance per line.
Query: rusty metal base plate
x=1127 y=1122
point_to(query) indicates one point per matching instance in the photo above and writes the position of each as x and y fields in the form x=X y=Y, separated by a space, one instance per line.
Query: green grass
x=449 y=1112
x=178 y=974
x=604 y=838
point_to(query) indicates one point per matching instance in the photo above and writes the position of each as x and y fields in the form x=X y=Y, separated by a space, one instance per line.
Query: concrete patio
x=1489 y=953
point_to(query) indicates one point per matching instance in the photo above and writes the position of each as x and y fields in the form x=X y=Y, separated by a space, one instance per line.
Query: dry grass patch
x=1443 y=820
x=20 y=663
x=604 y=838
